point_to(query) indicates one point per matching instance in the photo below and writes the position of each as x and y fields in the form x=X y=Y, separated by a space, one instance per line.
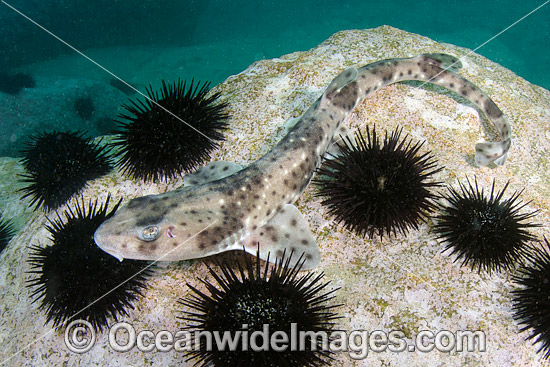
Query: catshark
x=222 y=207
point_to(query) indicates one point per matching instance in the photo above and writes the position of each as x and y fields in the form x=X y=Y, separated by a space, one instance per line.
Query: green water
x=145 y=42
x=284 y=26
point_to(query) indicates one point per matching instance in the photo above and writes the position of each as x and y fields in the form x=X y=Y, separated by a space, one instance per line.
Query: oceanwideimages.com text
x=80 y=338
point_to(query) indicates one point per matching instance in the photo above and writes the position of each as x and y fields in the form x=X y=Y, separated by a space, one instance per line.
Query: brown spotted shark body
x=223 y=207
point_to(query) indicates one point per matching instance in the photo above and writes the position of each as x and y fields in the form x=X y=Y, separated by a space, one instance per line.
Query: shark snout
x=101 y=239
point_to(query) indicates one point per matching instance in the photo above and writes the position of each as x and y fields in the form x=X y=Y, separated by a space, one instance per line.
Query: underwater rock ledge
x=400 y=283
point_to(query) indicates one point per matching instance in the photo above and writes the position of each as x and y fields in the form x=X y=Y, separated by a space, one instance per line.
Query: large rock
x=401 y=283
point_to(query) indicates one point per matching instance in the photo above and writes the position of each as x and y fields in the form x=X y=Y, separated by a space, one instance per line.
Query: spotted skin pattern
x=223 y=207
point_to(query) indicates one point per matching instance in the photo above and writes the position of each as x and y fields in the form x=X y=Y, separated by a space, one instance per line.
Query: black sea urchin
x=156 y=144
x=75 y=278
x=251 y=298
x=374 y=188
x=487 y=233
x=6 y=233
x=58 y=165
x=531 y=302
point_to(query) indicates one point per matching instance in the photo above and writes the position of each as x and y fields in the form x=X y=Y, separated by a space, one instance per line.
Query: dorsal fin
x=211 y=172
x=291 y=123
x=444 y=61
x=344 y=78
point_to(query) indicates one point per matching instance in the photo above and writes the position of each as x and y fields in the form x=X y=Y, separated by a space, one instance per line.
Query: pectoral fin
x=287 y=232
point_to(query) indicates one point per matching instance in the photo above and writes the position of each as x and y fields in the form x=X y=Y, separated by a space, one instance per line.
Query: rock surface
x=401 y=283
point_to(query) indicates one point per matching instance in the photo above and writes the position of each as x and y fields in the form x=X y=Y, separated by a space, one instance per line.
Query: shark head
x=152 y=228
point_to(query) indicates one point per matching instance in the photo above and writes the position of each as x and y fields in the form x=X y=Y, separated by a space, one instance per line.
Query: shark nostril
x=170 y=233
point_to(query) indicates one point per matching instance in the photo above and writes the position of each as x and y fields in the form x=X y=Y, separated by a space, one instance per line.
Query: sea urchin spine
x=531 y=302
x=75 y=278
x=6 y=233
x=487 y=233
x=378 y=189
x=255 y=298
x=171 y=133
x=59 y=165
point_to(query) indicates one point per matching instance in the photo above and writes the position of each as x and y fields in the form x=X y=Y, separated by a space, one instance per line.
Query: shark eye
x=149 y=233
